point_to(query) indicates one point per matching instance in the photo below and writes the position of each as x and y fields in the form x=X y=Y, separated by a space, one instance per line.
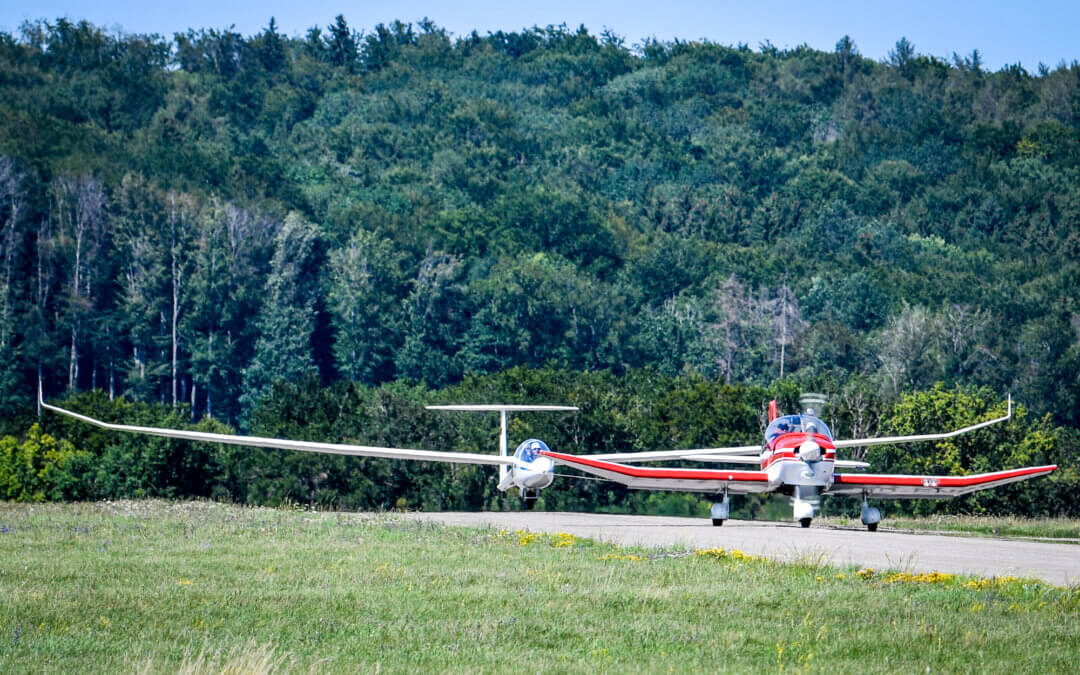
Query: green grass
x=991 y=526
x=163 y=586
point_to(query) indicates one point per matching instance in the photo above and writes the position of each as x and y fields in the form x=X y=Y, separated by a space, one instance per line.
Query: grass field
x=155 y=586
x=989 y=526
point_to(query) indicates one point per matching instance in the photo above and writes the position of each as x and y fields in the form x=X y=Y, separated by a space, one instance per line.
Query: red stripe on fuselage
x=646 y=472
x=795 y=439
x=784 y=455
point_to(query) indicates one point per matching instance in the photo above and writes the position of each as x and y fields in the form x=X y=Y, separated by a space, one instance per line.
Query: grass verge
x=989 y=526
x=155 y=586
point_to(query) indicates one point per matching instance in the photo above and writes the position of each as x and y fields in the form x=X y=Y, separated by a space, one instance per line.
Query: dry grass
x=249 y=659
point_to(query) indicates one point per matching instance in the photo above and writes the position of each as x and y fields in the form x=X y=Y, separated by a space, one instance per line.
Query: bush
x=41 y=468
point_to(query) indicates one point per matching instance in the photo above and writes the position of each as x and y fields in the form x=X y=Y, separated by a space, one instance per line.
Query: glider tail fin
x=506 y=477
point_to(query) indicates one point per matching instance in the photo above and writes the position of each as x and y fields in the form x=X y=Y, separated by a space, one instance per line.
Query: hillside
x=192 y=218
x=371 y=215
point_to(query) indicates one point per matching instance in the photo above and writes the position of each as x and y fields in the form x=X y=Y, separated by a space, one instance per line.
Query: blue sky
x=1004 y=33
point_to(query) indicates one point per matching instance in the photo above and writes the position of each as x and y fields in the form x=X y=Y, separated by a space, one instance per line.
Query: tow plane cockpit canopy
x=792 y=424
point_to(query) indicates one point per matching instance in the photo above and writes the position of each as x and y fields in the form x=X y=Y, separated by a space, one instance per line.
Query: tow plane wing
x=896 y=486
x=894 y=440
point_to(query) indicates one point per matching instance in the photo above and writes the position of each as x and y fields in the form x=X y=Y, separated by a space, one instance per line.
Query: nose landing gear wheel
x=530 y=497
x=717 y=522
x=805 y=522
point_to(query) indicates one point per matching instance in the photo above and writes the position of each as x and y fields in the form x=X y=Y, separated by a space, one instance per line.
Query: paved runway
x=1053 y=562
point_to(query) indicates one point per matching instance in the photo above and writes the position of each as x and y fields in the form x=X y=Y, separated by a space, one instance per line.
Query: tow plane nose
x=810 y=451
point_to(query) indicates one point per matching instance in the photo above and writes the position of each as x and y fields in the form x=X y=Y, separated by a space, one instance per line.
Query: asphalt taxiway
x=1056 y=563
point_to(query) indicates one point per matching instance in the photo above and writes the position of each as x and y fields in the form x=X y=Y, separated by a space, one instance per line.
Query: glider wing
x=303 y=446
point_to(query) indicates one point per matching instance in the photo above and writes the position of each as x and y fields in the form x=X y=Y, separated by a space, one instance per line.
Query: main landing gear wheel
x=870 y=516
x=720 y=509
x=805 y=522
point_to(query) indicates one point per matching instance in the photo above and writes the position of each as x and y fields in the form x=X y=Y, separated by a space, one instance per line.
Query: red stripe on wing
x=938 y=481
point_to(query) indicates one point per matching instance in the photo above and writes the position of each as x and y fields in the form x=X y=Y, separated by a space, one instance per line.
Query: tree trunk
x=175 y=313
x=175 y=294
x=209 y=407
x=73 y=359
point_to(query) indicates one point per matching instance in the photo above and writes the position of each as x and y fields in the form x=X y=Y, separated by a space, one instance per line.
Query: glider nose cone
x=537 y=474
x=810 y=451
x=543 y=465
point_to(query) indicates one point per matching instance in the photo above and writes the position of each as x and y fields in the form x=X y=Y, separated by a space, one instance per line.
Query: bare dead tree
x=723 y=335
x=749 y=324
x=908 y=348
x=860 y=407
x=44 y=278
x=12 y=200
x=180 y=210
x=787 y=320
x=80 y=213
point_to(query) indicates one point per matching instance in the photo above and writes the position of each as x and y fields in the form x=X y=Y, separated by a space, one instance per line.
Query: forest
x=315 y=236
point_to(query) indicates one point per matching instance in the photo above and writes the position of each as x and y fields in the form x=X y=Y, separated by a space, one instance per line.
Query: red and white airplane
x=797 y=458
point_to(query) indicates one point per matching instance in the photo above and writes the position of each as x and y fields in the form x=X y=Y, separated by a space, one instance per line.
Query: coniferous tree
x=433 y=322
x=341 y=44
x=144 y=280
x=204 y=326
x=287 y=319
x=365 y=311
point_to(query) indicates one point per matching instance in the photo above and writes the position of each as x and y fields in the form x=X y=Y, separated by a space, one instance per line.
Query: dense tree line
x=188 y=221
